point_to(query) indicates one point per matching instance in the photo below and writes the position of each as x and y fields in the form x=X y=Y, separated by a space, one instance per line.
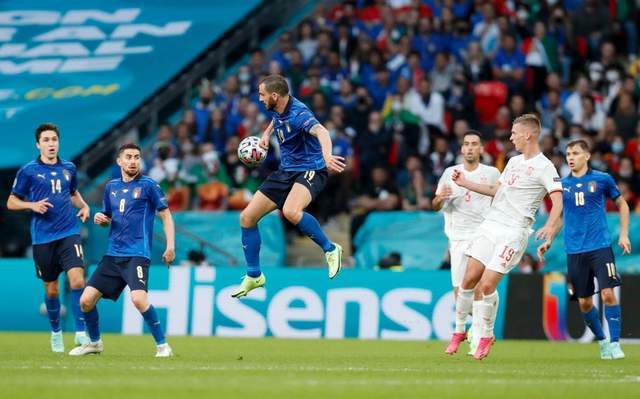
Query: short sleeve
x=73 y=183
x=21 y=184
x=156 y=196
x=106 y=201
x=305 y=121
x=503 y=176
x=495 y=176
x=550 y=179
x=611 y=188
x=446 y=176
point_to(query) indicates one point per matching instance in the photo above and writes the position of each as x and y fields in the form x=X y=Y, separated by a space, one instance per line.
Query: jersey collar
x=288 y=106
x=38 y=160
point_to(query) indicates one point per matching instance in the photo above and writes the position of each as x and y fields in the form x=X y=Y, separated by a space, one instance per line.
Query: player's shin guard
x=78 y=317
x=488 y=311
x=53 y=311
x=151 y=318
x=592 y=320
x=251 y=246
x=476 y=331
x=464 y=304
x=614 y=319
x=310 y=226
x=91 y=320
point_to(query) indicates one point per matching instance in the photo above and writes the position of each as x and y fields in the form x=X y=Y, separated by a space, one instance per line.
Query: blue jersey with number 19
x=300 y=150
x=132 y=207
x=57 y=182
x=584 y=216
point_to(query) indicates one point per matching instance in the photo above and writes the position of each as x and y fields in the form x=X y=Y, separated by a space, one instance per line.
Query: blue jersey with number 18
x=584 y=216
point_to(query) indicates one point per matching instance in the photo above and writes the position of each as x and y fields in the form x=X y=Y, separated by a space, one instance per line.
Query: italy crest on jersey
x=66 y=174
x=592 y=187
x=136 y=192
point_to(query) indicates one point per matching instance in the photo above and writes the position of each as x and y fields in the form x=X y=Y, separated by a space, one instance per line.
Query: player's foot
x=248 y=284
x=484 y=347
x=87 y=349
x=164 y=350
x=456 y=340
x=616 y=351
x=334 y=260
x=57 y=343
x=81 y=338
x=605 y=349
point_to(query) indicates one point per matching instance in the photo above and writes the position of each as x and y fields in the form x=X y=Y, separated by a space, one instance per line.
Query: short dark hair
x=128 y=146
x=275 y=84
x=44 y=127
x=580 y=143
x=473 y=133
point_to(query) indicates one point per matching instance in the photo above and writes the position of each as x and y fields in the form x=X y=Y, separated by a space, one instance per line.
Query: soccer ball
x=250 y=152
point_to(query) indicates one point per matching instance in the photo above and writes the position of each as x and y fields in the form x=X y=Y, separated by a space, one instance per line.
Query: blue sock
x=614 y=319
x=151 y=317
x=53 y=310
x=310 y=226
x=91 y=321
x=251 y=247
x=75 y=307
x=592 y=320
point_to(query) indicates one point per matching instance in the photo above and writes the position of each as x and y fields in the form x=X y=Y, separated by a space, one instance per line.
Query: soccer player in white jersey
x=464 y=209
x=501 y=238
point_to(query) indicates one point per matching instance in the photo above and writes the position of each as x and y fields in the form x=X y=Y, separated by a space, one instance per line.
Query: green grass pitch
x=278 y=368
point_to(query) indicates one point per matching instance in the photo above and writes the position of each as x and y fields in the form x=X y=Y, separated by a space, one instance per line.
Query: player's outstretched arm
x=554 y=223
x=16 y=204
x=623 y=241
x=334 y=162
x=485 y=189
x=264 y=141
x=78 y=202
x=169 y=232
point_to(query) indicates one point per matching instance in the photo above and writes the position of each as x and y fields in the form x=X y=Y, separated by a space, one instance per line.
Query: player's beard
x=271 y=104
x=132 y=173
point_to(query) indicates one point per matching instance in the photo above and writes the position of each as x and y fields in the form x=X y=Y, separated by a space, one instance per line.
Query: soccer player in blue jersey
x=129 y=205
x=306 y=159
x=588 y=243
x=47 y=186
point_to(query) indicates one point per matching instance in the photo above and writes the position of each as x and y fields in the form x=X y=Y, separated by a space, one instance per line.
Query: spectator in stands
x=414 y=187
x=509 y=64
x=373 y=145
x=441 y=76
x=201 y=112
x=441 y=157
x=380 y=195
x=626 y=115
x=589 y=25
x=165 y=168
x=592 y=115
x=486 y=30
x=476 y=67
x=307 y=43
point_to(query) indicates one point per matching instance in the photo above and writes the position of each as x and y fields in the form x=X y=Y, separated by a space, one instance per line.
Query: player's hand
x=545 y=233
x=84 y=214
x=542 y=249
x=41 y=206
x=264 y=141
x=101 y=219
x=169 y=256
x=335 y=163
x=625 y=244
x=446 y=192
x=458 y=177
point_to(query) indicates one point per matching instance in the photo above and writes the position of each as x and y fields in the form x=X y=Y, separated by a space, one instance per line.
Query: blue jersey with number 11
x=584 y=216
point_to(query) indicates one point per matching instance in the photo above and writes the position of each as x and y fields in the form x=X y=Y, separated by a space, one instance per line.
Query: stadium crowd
x=397 y=83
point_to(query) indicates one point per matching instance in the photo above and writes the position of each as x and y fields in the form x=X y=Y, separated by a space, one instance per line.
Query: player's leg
x=259 y=206
x=487 y=311
x=71 y=256
x=88 y=300
x=306 y=187
x=136 y=274
x=605 y=270
x=464 y=302
x=48 y=270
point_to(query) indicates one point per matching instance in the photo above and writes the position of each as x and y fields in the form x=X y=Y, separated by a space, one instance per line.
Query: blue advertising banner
x=86 y=64
x=296 y=303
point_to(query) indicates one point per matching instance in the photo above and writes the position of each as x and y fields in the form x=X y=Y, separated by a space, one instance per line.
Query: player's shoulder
x=67 y=164
x=600 y=175
x=451 y=168
x=147 y=181
x=29 y=167
x=489 y=169
x=113 y=182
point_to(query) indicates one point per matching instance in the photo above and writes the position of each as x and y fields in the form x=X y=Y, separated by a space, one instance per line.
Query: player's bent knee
x=247 y=220
x=52 y=289
x=141 y=302
x=608 y=297
x=585 y=304
x=86 y=303
x=292 y=215
x=76 y=283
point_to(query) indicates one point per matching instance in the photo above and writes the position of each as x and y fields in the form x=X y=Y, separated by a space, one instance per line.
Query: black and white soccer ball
x=250 y=152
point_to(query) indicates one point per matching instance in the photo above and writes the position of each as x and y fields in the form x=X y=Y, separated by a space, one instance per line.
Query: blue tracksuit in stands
x=588 y=242
x=132 y=207
x=301 y=162
x=55 y=235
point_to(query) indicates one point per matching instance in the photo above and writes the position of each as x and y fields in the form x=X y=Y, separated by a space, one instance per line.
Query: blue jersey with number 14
x=57 y=182
x=584 y=216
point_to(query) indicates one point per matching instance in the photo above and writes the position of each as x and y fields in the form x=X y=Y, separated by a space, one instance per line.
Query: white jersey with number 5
x=523 y=186
x=466 y=209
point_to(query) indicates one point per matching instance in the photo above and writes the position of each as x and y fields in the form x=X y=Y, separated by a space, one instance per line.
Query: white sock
x=477 y=321
x=488 y=310
x=464 y=303
x=495 y=308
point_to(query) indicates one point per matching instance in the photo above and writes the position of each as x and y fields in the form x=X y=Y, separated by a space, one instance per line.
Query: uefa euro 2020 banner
x=84 y=65
x=296 y=303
